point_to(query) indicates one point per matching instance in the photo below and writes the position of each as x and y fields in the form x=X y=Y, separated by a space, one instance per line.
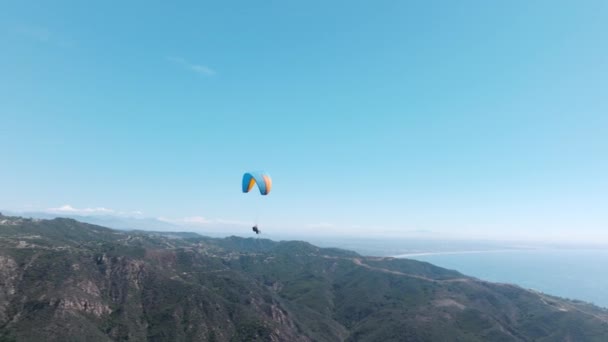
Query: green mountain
x=63 y=280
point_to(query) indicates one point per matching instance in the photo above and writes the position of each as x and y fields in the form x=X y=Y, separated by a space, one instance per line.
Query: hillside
x=63 y=280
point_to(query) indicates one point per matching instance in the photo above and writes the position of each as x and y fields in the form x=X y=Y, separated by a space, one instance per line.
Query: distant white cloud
x=43 y=35
x=71 y=210
x=67 y=209
x=197 y=68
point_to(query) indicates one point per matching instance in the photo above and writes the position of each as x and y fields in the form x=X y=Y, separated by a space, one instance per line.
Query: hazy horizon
x=373 y=243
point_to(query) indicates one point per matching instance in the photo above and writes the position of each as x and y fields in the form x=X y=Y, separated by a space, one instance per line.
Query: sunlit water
x=575 y=274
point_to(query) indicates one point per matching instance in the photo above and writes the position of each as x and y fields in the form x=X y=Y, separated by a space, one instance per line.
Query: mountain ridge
x=72 y=280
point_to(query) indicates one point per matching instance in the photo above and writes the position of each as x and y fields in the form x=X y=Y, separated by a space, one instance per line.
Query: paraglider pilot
x=264 y=183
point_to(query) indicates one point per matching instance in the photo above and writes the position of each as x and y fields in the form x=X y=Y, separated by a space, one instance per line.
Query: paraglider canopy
x=261 y=178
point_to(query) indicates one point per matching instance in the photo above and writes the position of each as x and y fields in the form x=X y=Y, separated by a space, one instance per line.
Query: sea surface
x=570 y=273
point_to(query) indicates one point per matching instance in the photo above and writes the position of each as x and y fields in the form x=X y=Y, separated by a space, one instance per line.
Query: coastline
x=408 y=255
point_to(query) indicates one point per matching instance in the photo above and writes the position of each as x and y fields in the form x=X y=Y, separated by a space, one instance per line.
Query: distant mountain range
x=64 y=280
x=124 y=222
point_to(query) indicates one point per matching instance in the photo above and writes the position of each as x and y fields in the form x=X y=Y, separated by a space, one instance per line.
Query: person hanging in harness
x=255 y=229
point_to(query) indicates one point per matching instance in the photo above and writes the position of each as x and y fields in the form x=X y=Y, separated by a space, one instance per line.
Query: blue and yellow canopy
x=262 y=179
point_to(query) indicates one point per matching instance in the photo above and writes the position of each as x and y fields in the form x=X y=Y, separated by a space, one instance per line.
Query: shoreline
x=407 y=255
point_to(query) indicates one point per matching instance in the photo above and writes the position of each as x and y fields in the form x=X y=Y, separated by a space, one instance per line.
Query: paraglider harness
x=255 y=229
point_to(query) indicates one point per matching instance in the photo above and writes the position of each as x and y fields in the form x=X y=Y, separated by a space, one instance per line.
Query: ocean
x=569 y=273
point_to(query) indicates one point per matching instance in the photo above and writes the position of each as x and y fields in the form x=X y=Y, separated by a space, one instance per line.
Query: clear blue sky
x=460 y=118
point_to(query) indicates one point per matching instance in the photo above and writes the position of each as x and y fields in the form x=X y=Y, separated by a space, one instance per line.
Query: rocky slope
x=62 y=280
